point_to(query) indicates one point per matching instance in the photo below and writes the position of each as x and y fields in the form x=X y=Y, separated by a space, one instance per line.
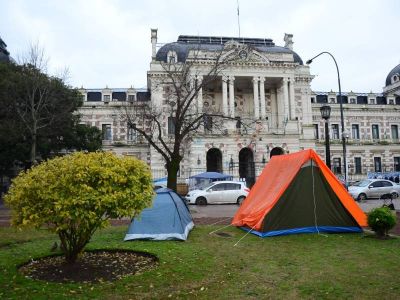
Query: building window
x=106 y=98
x=131 y=98
x=312 y=99
x=172 y=57
x=396 y=164
x=335 y=131
x=337 y=166
x=357 y=163
x=316 y=131
x=355 y=132
x=171 y=125
x=131 y=134
x=377 y=164
x=106 y=131
x=375 y=132
x=395 y=132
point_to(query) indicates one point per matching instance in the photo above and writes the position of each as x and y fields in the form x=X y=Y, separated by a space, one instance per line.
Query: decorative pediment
x=258 y=57
x=244 y=53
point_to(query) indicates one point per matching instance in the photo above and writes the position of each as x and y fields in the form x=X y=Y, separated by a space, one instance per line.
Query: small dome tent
x=297 y=193
x=168 y=219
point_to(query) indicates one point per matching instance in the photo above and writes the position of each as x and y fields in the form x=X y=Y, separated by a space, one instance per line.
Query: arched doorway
x=214 y=160
x=276 y=151
x=246 y=166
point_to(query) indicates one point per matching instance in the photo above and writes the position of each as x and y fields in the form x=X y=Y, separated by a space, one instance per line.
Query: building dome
x=393 y=76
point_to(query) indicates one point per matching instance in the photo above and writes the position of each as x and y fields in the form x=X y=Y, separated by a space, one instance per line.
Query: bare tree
x=180 y=85
x=42 y=101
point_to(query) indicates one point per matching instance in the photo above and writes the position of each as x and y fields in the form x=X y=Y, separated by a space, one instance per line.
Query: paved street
x=228 y=210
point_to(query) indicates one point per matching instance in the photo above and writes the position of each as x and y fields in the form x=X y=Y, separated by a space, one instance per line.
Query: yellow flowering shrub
x=76 y=194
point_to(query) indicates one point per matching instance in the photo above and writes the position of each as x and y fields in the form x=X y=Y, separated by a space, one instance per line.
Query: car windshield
x=362 y=183
x=205 y=186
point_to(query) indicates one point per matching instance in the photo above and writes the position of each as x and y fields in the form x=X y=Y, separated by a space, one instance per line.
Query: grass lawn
x=211 y=267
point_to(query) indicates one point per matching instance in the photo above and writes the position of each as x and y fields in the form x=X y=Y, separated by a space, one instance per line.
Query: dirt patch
x=92 y=266
x=224 y=234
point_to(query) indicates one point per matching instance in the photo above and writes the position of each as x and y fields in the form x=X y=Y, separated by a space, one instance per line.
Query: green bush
x=74 y=195
x=381 y=220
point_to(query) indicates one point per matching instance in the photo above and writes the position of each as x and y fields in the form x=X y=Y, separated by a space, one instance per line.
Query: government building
x=267 y=86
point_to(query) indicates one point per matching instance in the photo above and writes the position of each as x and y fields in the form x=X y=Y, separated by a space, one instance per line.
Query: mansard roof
x=185 y=43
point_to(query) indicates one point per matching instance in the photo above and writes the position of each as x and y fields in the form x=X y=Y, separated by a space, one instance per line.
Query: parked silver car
x=219 y=192
x=373 y=188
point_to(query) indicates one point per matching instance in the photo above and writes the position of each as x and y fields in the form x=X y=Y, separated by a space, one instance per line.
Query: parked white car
x=373 y=188
x=219 y=192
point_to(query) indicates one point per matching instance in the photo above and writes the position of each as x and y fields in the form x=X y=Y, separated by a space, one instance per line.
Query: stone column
x=280 y=106
x=224 y=95
x=200 y=94
x=256 y=101
x=274 y=108
x=262 y=98
x=285 y=99
x=292 y=103
x=231 y=96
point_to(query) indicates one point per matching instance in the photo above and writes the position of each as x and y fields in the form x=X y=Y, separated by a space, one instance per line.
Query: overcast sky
x=105 y=42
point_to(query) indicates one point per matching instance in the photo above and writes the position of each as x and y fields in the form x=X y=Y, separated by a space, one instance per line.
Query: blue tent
x=168 y=219
x=392 y=176
x=213 y=176
x=204 y=179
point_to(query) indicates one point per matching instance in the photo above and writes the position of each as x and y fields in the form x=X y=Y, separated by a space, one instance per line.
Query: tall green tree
x=38 y=113
x=84 y=137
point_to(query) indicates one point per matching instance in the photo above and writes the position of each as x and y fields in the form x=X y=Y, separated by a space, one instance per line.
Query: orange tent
x=298 y=193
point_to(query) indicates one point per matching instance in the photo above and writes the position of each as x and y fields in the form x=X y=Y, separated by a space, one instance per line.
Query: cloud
x=108 y=42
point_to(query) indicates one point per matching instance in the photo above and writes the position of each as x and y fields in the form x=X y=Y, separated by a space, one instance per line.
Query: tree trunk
x=172 y=169
x=73 y=244
x=33 y=150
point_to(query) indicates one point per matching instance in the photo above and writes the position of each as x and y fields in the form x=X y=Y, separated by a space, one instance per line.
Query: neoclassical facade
x=267 y=84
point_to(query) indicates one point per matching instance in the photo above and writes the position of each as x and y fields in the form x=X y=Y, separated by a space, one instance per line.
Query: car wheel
x=362 y=197
x=201 y=201
x=395 y=195
x=240 y=200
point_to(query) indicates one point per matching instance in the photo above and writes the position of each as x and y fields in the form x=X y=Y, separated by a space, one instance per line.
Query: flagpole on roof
x=237 y=1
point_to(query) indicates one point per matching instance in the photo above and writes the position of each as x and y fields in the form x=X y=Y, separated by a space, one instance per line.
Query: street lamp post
x=341 y=111
x=326 y=113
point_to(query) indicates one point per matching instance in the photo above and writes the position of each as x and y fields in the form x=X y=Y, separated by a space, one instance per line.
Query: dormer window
x=395 y=78
x=391 y=101
x=372 y=101
x=172 y=57
x=106 y=98
x=353 y=100
x=312 y=99
x=331 y=100
x=131 y=98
